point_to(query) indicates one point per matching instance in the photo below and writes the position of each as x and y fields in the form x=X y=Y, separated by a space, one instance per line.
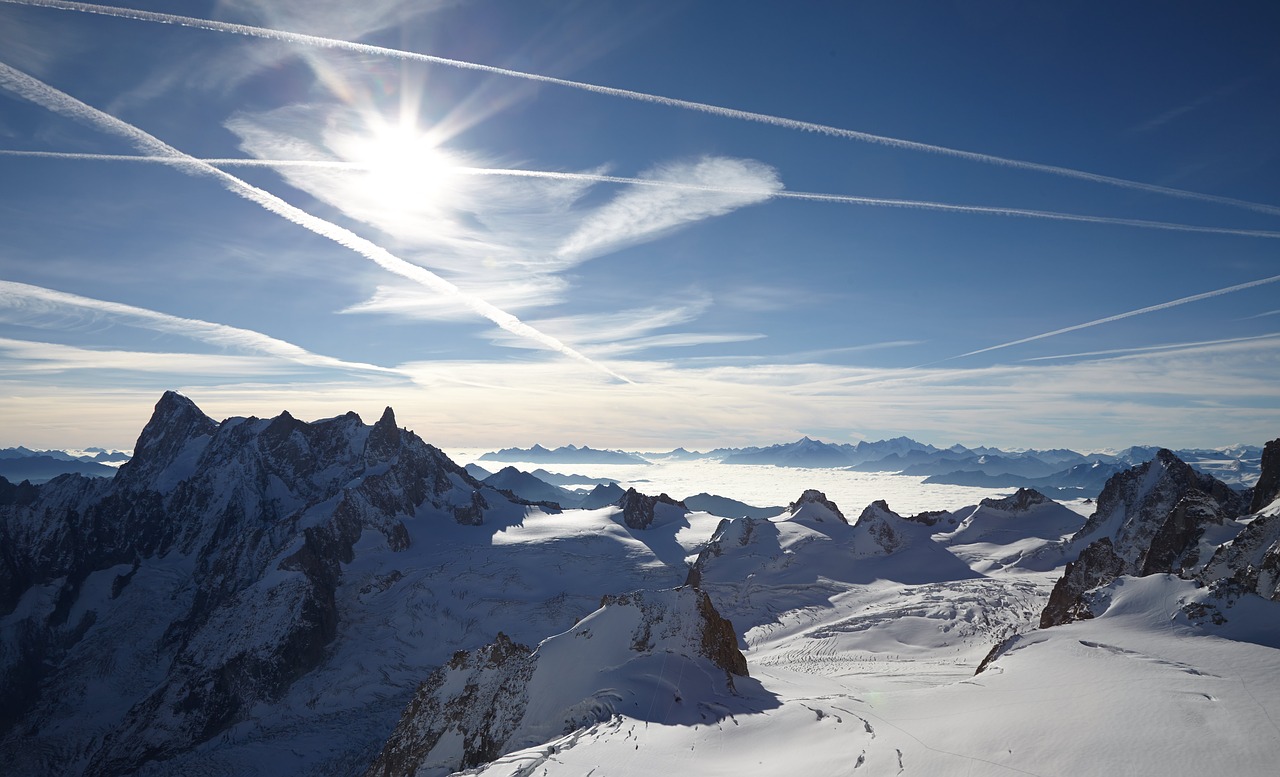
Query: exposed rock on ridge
x=815 y=497
x=639 y=510
x=1150 y=520
x=501 y=698
x=1267 y=489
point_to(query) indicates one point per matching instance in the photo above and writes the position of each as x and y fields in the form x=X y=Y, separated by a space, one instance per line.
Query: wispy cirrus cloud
x=38 y=306
x=1086 y=404
x=505 y=237
x=25 y=357
x=632 y=330
x=644 y=213
x=1128 y=314
x=1148 y=348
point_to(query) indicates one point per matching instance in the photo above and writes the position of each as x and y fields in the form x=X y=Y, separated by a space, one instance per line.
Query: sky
x=644 y=225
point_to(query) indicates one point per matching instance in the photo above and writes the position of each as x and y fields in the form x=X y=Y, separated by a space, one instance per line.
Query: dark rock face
x=1249 y=564
x=1267 y=489
x=720 y=641
x=1149 y=520
x=877 y=522
x=480 y=705
x=638 y=508
x=265 y=514
x=1163 y=506
x=813 y=496
x=484 y=714
x=716 y=639
x=1097 y=565
x=1019 y=502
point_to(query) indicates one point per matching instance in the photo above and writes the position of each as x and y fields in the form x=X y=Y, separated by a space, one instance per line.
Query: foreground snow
x=1139 y=690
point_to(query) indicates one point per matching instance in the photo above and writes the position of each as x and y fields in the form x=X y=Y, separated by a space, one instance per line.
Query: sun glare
x=405 y=166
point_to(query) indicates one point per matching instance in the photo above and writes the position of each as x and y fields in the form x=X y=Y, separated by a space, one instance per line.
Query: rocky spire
x=384 y=439
x=1268 y=488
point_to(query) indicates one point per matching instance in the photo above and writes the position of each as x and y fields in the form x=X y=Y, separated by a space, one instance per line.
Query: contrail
x=1149 y=348
x=42 y=94
x=17 y=295
x=730 y=113
x=846 y=199
x=1119 y=316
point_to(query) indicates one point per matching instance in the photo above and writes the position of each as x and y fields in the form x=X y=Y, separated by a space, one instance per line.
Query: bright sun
x=406 y=167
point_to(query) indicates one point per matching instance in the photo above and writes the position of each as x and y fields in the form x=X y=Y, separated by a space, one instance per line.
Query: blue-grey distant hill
x=531 y=488
x=1058 y=471
x=725 y=507
x=41 y=468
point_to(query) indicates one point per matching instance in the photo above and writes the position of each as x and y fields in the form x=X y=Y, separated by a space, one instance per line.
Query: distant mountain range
x=569 y=454
x=18 y=464
x=1057 y=472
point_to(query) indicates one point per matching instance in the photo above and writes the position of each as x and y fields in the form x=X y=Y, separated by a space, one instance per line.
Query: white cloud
x=507 y=239
x=26 y=357
x=36 y=305
x=643 y=213
x=338 y=18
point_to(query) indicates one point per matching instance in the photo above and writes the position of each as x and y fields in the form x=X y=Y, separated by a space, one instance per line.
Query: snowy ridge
x=661 y=656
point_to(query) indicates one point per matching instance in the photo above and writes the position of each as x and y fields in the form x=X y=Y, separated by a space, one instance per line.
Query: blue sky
x=703 y=306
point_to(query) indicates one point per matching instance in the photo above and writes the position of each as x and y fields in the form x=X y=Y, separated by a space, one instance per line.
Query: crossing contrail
x=21 y=295
x=1151 y=348
x=42 y=94
x=321 y=164
x=1119 y=316
x=716 y=110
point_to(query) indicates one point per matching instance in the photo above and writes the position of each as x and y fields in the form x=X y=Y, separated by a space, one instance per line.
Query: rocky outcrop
x=1146 y=501
x=815 y=497
x=879 y=529
x=1149 y=520
x=639 y=510
x=478 y=699
x=1019 y=502
x=1096 y=566
x=501 y=698
x=1249 y=564
x=1267 y=489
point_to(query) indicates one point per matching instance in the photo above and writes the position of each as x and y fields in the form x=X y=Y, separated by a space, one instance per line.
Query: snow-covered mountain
x=268 y=596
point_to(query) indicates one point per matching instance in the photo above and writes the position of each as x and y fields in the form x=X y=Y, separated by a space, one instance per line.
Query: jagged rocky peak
x=1140 y=504
x=384 y=438
x=641 y=653
x=1019 y=502
x=878 y=530
x=1150 y=520
x=1267 y=489
x=813 y=504
x=640 y=510
x=176 y=431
